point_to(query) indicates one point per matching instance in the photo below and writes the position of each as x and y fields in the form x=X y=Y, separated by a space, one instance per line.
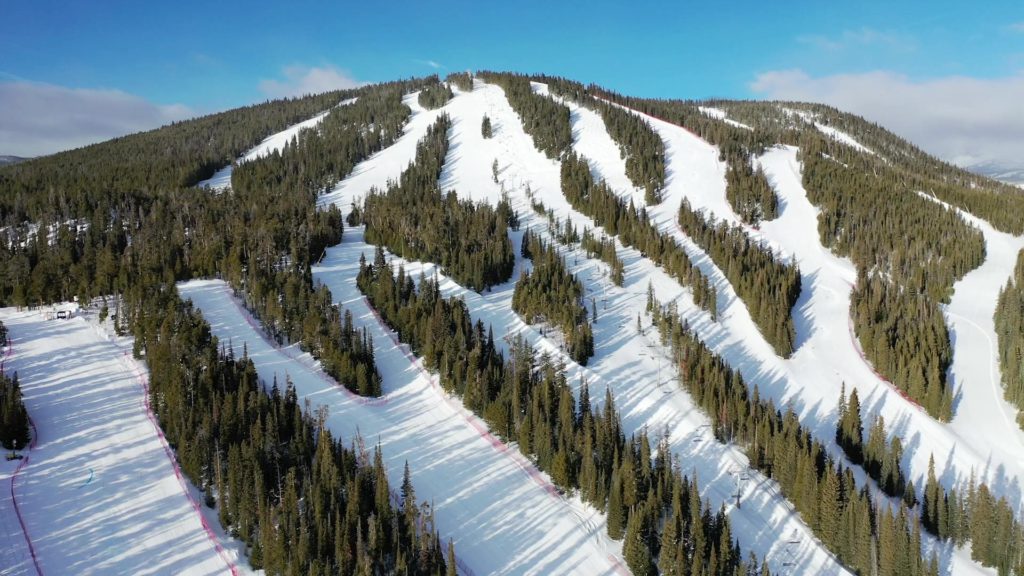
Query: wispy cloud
x=857 y=39
x=432 y=63
x=37 y=118
x=1016 y=27
x=299 y=80
x=960 y=119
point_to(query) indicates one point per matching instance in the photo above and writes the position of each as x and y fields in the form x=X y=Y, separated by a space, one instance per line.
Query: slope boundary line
x=21 y=465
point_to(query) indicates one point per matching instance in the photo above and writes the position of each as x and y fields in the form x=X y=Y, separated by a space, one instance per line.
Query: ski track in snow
x=100 y=491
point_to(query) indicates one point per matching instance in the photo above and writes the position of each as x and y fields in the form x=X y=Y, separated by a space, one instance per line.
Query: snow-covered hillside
x=100 y=492
x=100 y=452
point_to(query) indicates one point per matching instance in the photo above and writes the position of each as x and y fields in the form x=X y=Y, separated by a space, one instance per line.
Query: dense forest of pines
x=768 y=287
x=1000 y=204
x=749 y=193
x=639 y=144
x=414 y=219
x=120 y=174
x=546 y=121
x=649 y=503
x=868 y=538
x=1009 y=319
x=879 y=457
x=633 y=228
x=908 y=250
x=549 y=293
x=262 y=237
x=434 y=96
x=300 y=500
x=462 y=80
x=14 y=425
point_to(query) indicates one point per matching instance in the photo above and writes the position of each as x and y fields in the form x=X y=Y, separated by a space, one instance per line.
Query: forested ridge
x=546 y=121
x=768 y=287
x=116 y=175
x=112 y=223
x=262 y=241
x=1009 y=321
x=867 y=538
x=415 y=219
x=908 y=250
x=549 y=293
x=639 y=145
x=657 y=511
x=631 y=225
x=300 y=500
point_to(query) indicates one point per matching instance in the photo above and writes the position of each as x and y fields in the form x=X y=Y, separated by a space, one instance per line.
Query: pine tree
x=485 y=127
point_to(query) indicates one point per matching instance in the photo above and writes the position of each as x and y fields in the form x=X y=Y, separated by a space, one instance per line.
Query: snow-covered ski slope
x=827 y=353
x=642 y=387
x=100 y=493
x=503 y=515
x=221 y=179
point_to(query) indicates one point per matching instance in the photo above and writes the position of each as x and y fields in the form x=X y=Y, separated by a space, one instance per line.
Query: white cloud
x=300 y=80
x=432 y=63
x=960 y=119
x=37 y=118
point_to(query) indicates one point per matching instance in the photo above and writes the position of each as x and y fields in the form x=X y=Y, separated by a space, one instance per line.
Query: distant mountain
x=5 y=160
x=999 y=171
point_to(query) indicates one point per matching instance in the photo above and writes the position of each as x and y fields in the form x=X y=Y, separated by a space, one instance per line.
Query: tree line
x=749 y=192
x=415 y=219
x=908 y=251
x=300 y=500
x=633 y=228
x=768 y=287
x=1009 y=323
x=549 y=293
x=14 y=425
x=546 y=121
x=527 y=399
x=639 y=144
x=434 y=95
x=462 y=80
x=868 y=538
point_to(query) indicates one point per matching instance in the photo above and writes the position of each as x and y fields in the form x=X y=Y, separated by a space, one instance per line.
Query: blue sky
x=188 y=57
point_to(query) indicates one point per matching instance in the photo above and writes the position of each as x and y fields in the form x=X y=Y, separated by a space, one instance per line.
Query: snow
x=983 y=418
x=719 y=114
x=477 y=485
x=826 y=354
x=388 y=163
x=593 y=141
x=221 y=179
x=529 y=527
x=642 y=388
x=99 y=493
x=834 y=133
